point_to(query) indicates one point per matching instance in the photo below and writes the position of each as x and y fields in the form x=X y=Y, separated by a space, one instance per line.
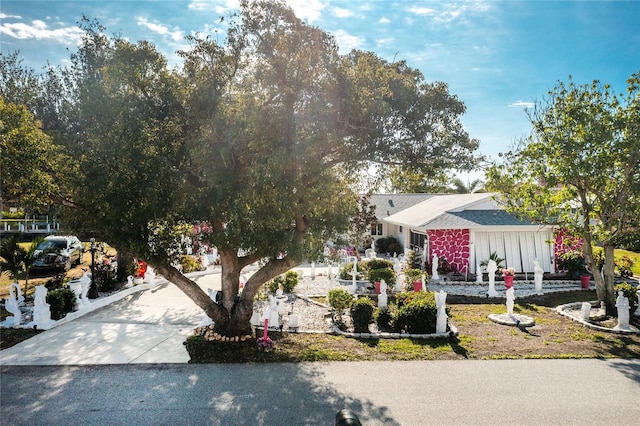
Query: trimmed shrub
x=339 y=301
x=387 y=245
x=378 y=264
x=289 y=282
x=383 y=317
x=61 y=302
x=624 y=266
x=190 y=264
x=383 y=274
x=362 y=314
x=56 y=282
x=417 y=312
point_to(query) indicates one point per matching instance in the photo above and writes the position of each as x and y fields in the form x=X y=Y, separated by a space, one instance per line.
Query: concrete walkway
x=146 y=327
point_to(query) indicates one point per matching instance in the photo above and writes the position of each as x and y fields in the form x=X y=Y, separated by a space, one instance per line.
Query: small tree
x=580 y=169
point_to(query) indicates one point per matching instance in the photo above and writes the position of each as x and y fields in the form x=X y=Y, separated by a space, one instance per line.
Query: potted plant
x=576 y=267
x=508 y=274
x=413 y=276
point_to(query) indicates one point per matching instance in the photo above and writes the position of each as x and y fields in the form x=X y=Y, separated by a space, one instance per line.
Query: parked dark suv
x=58 y=253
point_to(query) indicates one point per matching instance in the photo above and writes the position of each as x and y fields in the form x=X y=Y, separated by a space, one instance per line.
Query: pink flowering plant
x=266 y=344
x=508 y=272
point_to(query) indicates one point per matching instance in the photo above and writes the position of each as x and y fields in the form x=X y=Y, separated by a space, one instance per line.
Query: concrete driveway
x=146 y=327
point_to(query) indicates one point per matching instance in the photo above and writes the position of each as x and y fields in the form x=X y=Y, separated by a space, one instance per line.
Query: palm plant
x=12 y=257
x=459 y=187
x=28 y=260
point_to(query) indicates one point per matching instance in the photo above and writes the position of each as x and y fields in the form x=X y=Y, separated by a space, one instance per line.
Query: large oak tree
x=258 y=139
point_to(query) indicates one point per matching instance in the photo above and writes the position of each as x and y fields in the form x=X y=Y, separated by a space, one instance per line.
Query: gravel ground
x=314 y=316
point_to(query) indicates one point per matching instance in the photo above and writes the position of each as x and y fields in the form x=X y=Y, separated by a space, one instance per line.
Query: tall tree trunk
x=608 y=272
x=124 y=260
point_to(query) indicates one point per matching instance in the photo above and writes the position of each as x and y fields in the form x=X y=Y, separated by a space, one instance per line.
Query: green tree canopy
x=31 y=166
x=580 y=168
x=257 y=139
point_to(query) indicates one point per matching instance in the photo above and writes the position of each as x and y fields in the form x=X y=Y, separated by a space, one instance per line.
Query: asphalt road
x=505 y=392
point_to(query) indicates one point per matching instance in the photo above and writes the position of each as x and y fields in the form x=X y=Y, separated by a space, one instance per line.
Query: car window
x=52 y=245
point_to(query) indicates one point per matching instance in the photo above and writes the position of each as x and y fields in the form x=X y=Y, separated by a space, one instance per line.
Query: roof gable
x=419 y=215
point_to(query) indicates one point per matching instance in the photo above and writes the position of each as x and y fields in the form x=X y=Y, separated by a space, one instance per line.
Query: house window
x=400 y=229
x=376 y=229
x=417 y=241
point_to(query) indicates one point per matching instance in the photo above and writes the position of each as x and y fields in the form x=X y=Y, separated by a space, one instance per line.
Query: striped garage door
x=519 y=249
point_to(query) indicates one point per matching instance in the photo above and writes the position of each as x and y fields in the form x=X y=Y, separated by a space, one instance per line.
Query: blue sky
x=498 y=57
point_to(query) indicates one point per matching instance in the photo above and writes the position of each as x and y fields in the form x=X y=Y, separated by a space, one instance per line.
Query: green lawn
x=634 y=256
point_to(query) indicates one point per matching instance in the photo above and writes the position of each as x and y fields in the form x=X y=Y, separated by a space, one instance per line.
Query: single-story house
x=464 y=229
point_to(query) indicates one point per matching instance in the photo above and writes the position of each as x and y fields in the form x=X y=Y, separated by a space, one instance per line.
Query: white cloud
x=422 y=11
x=176 y=34
x=5 y=16
x=384 y=20
x=39 y=30
x=522 y=104
x=387 y=41
x=342 y=13
x=347 y=41
x=307 y=10
x=221 y=6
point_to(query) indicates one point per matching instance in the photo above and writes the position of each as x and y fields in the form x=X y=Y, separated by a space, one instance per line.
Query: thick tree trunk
x=604 y=284
x=232 y=317
x=194 y=292
x=240 y=304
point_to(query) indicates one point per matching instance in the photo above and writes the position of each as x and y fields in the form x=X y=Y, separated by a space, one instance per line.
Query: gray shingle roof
x=475 y=218
x=388 y=204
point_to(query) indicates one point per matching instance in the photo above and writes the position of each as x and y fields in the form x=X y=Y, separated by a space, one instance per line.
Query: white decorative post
x=622 y=303
x=274 y=315
x=12 y=306
x=441 y=320
x=434 y=268
x=76 y=287
x=255 y=319
x=41 y=310
x=538 y=272
x=491 y=271
x=479 y=274
x=511 y=297
x=85 y=284
x=586 y=311
x=382 y=297
x=354 y=273
x=293 y=322
x=150 y=275
x=397 y=268
x=18 y=293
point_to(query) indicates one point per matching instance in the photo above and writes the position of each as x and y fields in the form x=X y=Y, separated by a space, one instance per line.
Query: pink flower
x=508 y=272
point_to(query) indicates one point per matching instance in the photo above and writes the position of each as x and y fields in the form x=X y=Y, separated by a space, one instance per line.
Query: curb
x=562 y=311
